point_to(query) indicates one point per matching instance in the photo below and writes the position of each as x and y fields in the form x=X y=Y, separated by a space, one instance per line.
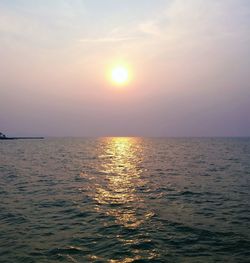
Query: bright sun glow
x=120 y=75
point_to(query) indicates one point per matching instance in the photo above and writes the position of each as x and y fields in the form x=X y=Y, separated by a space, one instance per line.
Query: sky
x=188 y=60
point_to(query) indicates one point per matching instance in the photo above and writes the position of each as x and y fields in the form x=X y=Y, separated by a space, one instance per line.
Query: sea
x=122 y=200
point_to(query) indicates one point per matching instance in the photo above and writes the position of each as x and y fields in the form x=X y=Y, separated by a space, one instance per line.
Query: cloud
x=150 y=28
x=195 y=18
x=106 y=39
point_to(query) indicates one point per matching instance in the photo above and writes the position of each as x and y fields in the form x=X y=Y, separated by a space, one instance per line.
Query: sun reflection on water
x=121 y=162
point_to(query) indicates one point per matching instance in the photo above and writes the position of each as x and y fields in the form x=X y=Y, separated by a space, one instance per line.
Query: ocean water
x=125 y=200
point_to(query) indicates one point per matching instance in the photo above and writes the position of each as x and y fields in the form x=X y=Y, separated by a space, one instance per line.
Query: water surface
x=125 y=200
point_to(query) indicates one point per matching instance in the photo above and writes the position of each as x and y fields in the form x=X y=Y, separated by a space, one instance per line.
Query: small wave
x=189 y=193
x=71 y=250
x=11 y=218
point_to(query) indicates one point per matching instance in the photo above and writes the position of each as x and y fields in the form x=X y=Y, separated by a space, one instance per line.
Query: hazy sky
x=190 y=61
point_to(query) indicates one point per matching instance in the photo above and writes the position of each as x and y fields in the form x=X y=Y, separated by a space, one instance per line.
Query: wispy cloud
x=150 y=28
x=106 y=39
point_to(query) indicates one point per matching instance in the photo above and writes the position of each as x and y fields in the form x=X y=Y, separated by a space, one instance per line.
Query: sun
x=120 y=75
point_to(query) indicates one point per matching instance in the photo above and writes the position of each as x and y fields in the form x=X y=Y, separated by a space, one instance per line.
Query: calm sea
x=125 y=200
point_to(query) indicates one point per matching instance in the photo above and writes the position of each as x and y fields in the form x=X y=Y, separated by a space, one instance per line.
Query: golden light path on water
x=123 y=176
x=119 y=196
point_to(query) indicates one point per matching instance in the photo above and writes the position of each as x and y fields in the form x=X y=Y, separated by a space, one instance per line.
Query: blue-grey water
x=125 y=200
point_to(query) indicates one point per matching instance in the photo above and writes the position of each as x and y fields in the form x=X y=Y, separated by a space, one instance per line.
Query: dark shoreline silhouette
x=4 y=137
x=22 y=138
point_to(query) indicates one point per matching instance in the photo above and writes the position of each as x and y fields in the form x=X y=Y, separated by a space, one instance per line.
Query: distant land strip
x=21 y=138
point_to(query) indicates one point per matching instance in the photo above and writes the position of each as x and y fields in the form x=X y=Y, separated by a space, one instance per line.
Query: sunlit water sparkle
x=125 y=200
